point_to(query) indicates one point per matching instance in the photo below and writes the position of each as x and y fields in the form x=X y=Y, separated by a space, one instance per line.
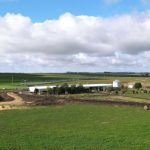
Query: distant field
x=20 y=80
x=81 y=127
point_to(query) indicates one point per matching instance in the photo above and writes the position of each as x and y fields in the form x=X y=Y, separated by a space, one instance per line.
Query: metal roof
x=97 y=85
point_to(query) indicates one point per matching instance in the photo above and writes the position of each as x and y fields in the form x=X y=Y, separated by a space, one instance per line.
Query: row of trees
x=65 y=89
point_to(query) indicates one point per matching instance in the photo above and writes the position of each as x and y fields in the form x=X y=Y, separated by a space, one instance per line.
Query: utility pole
x=12 y=80
x=25 y=82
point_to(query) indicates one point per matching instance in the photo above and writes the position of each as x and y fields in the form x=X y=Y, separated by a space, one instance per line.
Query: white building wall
x=96 y=85
x=40 y=88
x=130 y=86
x=116 y=84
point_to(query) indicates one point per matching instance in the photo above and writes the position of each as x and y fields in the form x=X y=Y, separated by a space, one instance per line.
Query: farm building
x=40 y=88
x=116 y=84
x=99 y=87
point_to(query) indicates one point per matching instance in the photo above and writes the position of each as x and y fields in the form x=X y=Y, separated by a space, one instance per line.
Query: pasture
x=74 y=126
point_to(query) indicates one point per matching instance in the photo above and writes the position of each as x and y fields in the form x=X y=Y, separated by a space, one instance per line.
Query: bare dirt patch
x=15 y=101
x=53 y=100
x=25 y=100
x=40 y=100
x=108 y=102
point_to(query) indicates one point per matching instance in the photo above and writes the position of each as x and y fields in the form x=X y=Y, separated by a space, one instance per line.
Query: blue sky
x=74 y=35
x=40 y=10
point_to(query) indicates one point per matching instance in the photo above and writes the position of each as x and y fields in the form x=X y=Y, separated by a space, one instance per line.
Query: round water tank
x=116 y=84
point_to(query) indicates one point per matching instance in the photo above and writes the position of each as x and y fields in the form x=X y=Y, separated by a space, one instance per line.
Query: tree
x=109 y=89
x=56 y=90
x=65 y=87
x=73 y=89
x=36 y=91
x=137 y=85
x=49 y=91
x=61 y=90
x=80 y=89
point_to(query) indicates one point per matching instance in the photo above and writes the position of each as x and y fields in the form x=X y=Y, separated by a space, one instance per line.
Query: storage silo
x=116 y=84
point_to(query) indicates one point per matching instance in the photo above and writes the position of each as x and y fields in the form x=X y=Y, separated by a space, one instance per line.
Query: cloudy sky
x=74 y=35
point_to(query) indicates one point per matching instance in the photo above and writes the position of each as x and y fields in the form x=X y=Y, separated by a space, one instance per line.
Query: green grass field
x=80 y=127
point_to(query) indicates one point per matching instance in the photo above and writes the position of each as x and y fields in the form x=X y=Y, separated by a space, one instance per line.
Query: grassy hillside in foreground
x=81 y=127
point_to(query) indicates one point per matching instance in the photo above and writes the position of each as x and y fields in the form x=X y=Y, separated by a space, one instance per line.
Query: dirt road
x=9 y=105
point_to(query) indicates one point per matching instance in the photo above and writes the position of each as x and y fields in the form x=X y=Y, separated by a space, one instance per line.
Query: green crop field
x=80 y=127
x=22 y=80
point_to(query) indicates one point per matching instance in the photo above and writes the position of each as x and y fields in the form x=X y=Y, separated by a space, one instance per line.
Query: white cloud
x=75 y=43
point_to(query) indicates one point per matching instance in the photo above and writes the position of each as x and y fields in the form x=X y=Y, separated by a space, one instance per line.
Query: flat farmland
x=21 y=80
